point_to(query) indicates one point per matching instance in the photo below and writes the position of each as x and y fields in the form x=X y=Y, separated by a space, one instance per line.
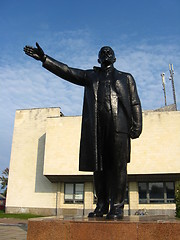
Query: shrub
x=177 y=197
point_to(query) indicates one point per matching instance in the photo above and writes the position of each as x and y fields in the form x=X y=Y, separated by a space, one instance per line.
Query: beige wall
x=158 y=148
x=62 y=146
x=157 y=151
x=27 y=187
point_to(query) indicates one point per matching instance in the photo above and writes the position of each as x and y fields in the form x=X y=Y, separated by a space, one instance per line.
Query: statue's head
x=106 y=56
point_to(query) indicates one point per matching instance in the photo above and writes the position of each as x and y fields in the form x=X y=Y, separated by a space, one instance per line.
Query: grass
x=18 y=215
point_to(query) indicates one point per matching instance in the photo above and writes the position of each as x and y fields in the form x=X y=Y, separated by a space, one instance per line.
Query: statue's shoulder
x=126 y=75
x=96 y=69
x=123 y=73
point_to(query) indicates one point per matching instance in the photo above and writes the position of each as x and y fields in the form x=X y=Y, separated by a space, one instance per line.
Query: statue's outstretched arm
x=36 y=53
x=76 y=76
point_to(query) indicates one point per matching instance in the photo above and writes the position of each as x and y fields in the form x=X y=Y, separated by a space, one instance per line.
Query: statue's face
x=106 y=56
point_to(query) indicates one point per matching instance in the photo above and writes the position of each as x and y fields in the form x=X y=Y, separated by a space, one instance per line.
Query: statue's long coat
x=125 y=93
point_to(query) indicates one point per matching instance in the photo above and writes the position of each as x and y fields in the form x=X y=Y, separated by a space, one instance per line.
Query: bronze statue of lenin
x=111 y=116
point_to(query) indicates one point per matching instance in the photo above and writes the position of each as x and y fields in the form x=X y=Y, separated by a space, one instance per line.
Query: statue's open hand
x=36 y=53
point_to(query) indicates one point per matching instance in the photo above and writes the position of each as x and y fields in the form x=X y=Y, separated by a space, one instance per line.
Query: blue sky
x=145 y=36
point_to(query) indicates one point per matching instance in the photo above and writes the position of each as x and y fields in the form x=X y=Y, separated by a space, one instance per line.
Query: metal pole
x=164 y=89
x=171 y=70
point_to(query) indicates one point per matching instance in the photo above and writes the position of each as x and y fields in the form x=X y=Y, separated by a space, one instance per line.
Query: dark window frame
x=73 y=200
x=149 y=200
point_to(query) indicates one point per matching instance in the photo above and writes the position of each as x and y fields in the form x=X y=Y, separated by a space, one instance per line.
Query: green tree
x=178 y=200
x=4 y=180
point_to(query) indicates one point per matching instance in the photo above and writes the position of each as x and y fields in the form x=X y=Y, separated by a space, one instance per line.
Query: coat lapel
x=121 y=88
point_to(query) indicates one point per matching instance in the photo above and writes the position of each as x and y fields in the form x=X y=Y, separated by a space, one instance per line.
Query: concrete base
x=135 y=227
x=37 y=211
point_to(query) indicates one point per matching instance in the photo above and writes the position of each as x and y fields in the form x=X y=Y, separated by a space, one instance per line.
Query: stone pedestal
x=130 y=228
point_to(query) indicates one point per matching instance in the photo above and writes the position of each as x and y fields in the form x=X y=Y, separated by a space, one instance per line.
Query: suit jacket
x=124 y=87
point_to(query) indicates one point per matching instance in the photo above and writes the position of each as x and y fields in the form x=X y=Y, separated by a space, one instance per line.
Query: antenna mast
x=171 y=70
x=164 y=89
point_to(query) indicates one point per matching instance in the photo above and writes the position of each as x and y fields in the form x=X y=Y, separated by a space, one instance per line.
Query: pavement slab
x=13 y=229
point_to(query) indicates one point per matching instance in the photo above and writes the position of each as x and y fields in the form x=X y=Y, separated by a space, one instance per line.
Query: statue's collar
x=109 y=68
x=104 y=69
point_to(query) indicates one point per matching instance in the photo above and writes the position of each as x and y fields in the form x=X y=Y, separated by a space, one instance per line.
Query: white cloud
x=146 y=63
x=25 y=84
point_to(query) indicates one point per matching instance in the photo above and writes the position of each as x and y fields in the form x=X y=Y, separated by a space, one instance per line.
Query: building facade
x=44 y=173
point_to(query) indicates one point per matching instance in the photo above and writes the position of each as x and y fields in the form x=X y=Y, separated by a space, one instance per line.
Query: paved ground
x=13 y=229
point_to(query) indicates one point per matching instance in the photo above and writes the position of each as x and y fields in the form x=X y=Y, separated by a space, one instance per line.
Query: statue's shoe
x=99 y=211
x=115 y=213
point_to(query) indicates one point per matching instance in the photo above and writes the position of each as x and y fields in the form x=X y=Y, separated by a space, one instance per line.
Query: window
x=170 y=192
x=156 y=192
x=142 y=192
x=73 y=192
